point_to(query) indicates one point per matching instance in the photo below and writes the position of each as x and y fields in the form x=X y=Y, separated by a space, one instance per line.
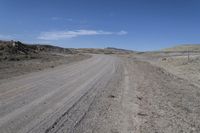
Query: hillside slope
x=184 y=48
x=11 y=49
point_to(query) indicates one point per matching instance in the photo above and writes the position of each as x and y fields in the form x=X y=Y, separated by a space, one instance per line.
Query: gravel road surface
x=40 y=101
x=102 y=94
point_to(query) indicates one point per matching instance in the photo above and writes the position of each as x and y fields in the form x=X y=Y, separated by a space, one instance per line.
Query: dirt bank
x=182 y=67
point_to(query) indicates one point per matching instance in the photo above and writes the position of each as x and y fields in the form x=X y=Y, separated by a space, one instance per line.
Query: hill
x=184 y=48
x=108 y=50
x=15 y=49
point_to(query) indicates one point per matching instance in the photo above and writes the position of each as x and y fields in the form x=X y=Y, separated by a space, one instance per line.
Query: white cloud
x=76 y=33
x=122 y=32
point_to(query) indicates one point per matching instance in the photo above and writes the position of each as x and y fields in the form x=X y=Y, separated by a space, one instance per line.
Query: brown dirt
x=37 y=62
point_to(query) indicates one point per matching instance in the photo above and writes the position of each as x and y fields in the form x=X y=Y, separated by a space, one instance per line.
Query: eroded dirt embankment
x=167 y=103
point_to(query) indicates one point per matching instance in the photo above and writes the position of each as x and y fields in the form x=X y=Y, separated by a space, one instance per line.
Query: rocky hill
x=15 y=49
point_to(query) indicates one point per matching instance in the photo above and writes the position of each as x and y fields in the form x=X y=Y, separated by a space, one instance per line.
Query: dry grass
x=180 y=66
x=194 y=48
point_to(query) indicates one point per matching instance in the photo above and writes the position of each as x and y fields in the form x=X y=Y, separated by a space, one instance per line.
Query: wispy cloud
x=55 y=18
x=61 y=19
x=122 y=32
x=57 y=35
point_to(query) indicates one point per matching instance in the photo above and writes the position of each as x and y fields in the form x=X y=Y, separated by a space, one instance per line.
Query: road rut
x=40 y=101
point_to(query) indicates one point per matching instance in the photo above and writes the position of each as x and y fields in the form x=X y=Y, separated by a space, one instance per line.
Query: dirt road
x=103 y=94
x=37 y=102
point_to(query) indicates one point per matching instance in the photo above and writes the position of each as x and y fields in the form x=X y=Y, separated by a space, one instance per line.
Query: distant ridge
x=108 y=50
x=12 y=48
x=119 y=49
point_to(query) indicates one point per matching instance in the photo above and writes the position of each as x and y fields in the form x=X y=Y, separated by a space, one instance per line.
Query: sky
x=141 y=25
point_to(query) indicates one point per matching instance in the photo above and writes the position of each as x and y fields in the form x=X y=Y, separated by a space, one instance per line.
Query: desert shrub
x=13 y=59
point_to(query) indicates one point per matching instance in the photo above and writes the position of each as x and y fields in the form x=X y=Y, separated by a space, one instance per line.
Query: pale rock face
x=13 y=43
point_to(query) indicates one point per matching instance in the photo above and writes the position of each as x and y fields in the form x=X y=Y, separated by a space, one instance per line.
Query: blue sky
x=130 y=24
